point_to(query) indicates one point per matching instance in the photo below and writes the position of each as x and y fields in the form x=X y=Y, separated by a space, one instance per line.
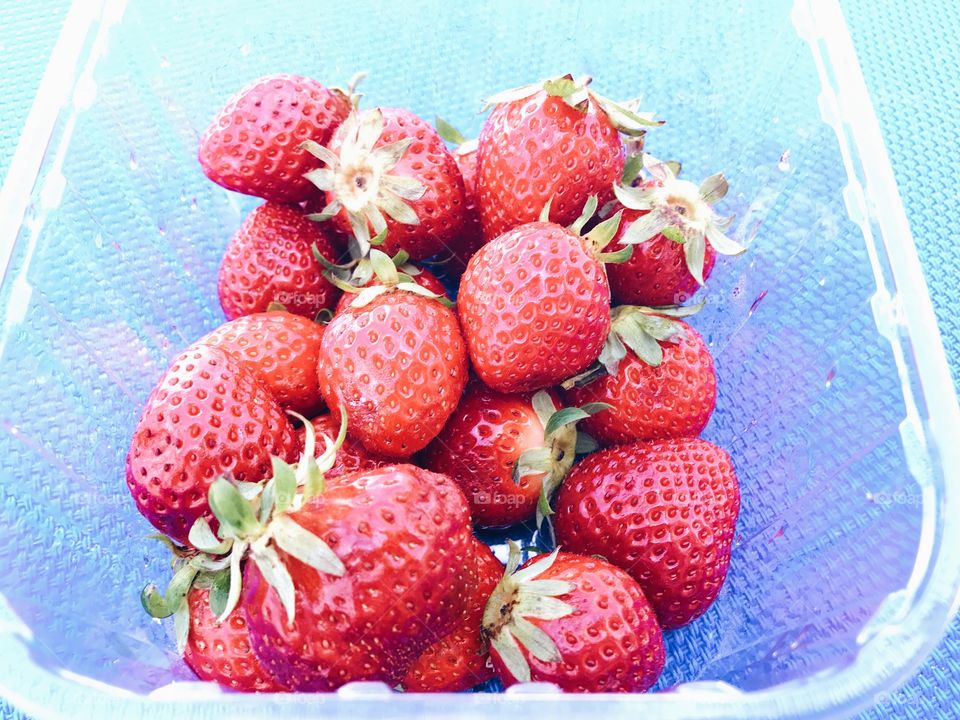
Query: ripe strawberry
x=575 y=621
x=207 y=416
x=676 y=236
x=553 y=140
x=396 y=361
x=664 y=510
x=217 y=651
x=351 y=581
x=387 y=169
x=535 y=305
x=269 y=260
x=498 y=449
x=460 y=660
x=471 y=235
x=657 y=378
x=253 y=145
x=351 y=456
x=281 y=349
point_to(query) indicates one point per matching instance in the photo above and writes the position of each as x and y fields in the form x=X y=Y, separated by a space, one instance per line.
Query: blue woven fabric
x=903 y=49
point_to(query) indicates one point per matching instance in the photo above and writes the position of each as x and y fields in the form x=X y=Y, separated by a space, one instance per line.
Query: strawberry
x=396 y=362
x=555 y=140
x=270 y=260
x=676 y=236
x=216 y=650
x=207 y=416
x=508 y=453
x=535 y=305
x=663 y=510
x=349 y=578
x=656 y=379
x=387 y=169
x=281 y=349
x=460 y=660
x=351 y=456
x=574 y=621
x=471 y=235
x=253 y=145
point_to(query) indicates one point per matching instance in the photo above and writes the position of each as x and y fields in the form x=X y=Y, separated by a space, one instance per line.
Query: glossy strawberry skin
x=251 y=146
x=471 y=236
x=351 y=457
x=208 y=416
x=674 y=399
x=269 y=259
x=425 y=279
x=478 y=448
x=535 y=308
x=440 y=210
x=221 y=652
x=460 y=660
x=399 y=366
x=281 y=349
x=656 y=273
x=665 y=511
x=403 y=535
x=611 y=642
x=539 y=148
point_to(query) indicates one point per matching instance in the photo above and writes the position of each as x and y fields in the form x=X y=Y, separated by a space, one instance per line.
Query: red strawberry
x=269 y=259
x=355 y=582
x=351 y=456
x=253 y=145
x=281 y=349
x=676 y=236
x=396 y=361
x=216 y=650
x=221 y=651
x=535 y=305
x=207 y=416
x=551 y=141
x=574 y=621
x=658 y=382
x=471 y=236
x=460 y=660
x=664 y=510
x=498 y=450
x=387 y=169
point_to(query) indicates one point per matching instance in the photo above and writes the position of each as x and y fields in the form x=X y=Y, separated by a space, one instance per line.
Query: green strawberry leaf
x=219 y=592
x=154 y=603
x=586 y=444
x=278 y=577
x=631 y=169
x=231 y=509
x=306 y=547
x=672 y=232
x=589 y=208
x=449 y=133
x=181 y=627
x=203 y=539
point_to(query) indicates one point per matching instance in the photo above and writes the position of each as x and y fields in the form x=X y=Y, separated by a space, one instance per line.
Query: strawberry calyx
x=350 y=94
x=254 y=522
x=360 y=180
x=599 y=236
x=625 y=117
x=561 y=444
x=680 y=211
x=461 y=145
x=519 y=597
x=393 y=274
x=641 y=329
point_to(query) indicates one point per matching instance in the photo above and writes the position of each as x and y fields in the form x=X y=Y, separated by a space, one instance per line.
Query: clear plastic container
x=835 y=399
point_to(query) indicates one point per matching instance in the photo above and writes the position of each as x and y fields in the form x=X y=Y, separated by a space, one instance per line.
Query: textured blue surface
x=925 y=178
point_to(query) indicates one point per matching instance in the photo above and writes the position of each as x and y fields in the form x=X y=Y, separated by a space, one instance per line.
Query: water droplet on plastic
x=98 y=241
x=162 y=228
x=822 y=281
x=831 y=374
x=133 y=162
x=784 y=163
x=193 y=204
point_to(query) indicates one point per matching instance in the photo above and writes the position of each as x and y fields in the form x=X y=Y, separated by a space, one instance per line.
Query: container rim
x=893 y=647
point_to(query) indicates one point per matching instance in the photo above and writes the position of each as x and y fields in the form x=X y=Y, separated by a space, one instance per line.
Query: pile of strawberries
x=318 y=464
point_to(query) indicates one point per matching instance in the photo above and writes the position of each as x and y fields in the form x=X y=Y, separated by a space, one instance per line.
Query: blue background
x=909 y=55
